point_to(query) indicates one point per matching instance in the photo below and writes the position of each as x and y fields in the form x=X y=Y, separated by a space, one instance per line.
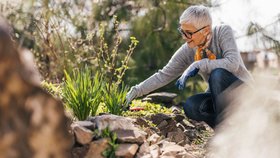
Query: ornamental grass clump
x=114 y=98
x=82 y=93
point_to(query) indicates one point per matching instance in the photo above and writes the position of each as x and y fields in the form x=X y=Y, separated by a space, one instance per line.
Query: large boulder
x=82 y=134
x=130 y=136
x=113 y=122
x=125 y=128
x=32 y=122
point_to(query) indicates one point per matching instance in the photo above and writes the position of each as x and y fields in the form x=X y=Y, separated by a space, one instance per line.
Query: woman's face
x=194 y=38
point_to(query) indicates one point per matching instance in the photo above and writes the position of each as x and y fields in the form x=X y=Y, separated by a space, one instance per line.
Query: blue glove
x=190 y=72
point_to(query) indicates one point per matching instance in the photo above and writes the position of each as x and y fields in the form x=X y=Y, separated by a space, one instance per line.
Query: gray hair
x=197 y=15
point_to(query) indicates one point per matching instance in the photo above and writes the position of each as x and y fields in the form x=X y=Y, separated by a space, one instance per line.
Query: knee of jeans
x=187 y=105
x=217 y=75
x=188 y=108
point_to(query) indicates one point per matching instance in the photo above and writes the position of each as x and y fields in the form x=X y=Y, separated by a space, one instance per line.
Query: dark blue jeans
x=209 y=106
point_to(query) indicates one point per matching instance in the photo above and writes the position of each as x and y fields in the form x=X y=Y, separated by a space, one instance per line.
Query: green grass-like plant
x=114 y=98
x=110 y=151
x=81 y=93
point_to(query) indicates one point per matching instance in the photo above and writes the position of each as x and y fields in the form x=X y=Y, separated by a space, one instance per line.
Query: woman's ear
x=207 y=30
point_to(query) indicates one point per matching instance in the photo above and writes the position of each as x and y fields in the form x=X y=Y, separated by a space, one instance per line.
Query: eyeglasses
x=188 y=35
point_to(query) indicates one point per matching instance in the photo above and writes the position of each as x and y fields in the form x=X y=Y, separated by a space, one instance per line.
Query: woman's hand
x=191 y=71
x=130 y=95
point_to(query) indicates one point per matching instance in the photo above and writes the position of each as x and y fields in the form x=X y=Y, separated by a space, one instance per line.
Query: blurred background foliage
x=65 y=34
x=267 y=37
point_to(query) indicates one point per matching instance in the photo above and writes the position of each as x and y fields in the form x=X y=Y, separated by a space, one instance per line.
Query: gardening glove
x=130 y=95
x=191 y=71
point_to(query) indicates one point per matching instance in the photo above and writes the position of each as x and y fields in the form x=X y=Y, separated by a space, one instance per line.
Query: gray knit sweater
x=222 y=45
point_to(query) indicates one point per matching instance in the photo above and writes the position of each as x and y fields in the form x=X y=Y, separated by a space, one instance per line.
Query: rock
x=180 y=126
x=126 y=150
x=170 y=149
x=97 y=147
x=184 y=155
x=188 y=147
x=83 y=136
x=79 y=152
x=202 y=126
x=158 y=118
x=155 y=130
x=178 y=137
x=165 y=142
x=162 y=97
x=199 y=124
x=171 y=126
x=191 y=134
x=188 y=155
x=130 y=136
x=33 y=122
x=163 y=124
x=153 y=139
x=151 y=130
x=179 y=130
x=154 y=151
x=142 y=122
x=104 y=113
x=87 y=124
x=179 y=117
x=187 y=124
x=144 y=150
x=113 y=122
x=145 y=156
x=176 y=110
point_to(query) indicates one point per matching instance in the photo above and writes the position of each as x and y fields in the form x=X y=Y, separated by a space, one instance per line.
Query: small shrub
x=111 y=61
x=81 y=93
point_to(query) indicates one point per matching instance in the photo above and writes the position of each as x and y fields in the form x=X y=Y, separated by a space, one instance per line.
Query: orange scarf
x=199 y=51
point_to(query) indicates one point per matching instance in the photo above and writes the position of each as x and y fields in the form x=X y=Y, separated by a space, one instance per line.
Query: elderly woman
x=210 y=52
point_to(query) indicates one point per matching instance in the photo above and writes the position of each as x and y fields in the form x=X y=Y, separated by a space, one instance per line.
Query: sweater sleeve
x=175 y=67
x=231 y=56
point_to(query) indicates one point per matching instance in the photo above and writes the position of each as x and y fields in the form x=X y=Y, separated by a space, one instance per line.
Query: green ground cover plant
x=149 y=108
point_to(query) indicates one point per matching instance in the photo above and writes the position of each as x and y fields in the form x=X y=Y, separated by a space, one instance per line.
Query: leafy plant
x=82 y=94
x=114 y=97
x=149 y=108
x=110 y=151
x=54 y=89
x=108 y=63
x=102 y=108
